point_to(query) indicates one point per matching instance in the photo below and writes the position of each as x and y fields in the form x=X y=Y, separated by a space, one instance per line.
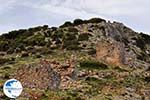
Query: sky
x=20 y=14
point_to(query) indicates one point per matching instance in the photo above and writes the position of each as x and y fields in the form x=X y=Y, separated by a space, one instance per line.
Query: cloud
x=6 y=5
x=22 y=14
x=106 y=7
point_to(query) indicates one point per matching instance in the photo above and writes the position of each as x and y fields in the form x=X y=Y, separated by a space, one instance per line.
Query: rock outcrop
x=111 y=52
x=47 y=75
x=40 y=76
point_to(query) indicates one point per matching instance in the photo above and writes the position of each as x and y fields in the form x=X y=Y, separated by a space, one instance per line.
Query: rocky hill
x=90 y=59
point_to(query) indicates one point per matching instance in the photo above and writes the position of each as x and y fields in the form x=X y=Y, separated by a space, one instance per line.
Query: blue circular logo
x=12 y=88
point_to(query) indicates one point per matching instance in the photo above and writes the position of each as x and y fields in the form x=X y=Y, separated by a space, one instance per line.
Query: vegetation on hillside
x=68 y=54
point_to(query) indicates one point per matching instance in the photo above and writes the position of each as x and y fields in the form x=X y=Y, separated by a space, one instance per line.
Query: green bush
x=69 y=41
x=66 y=24
x=44 y=50
x=145 y=37
x=147 y=79
x=96 y=20
x=120 y=69
x=143 y=56
x=10 y=51
x=92 y=79
x=140 y=43
x=4 y=45
x=69 y=36
x=92 y=51
x=24 y=54
x=11 y=35
x=148 y=69
x=84 y=37
x=36 y=40
x=38 y=55
x=6 y=76
x=53 y=29
x=142 y=40
x=57 y=34
x=90 y=64
x=71 y=45
x=72 y=29
x=35 y=29
x=45 y=27
x=78 y=22
x=5 y=60
x=26 y=34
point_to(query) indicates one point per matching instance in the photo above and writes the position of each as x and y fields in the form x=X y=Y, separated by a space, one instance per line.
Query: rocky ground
x=84 y=60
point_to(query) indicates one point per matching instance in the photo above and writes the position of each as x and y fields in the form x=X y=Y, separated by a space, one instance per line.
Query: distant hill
x=87 y=59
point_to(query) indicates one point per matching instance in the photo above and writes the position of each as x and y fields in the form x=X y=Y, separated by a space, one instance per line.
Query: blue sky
x=17 y=14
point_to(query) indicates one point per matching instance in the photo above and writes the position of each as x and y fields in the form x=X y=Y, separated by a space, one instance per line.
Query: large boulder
x=110 y=52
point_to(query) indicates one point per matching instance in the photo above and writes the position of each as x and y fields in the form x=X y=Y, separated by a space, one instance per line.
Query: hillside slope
x=87 y=59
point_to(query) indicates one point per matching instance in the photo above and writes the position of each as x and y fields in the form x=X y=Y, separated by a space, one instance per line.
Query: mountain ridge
x=79 y=60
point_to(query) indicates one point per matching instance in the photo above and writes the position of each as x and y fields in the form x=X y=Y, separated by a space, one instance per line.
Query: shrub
x=70 y=41
x=71 y=45
x=57 y=34
x=24 y=54
x=132 y=81
x=21 y=46
x=78 y=22
x=14 y=34
x=96 y=20
x=142 y=40
x=35 y=29
x=120 y=69
x=11 y=35
x=36 y=40
x=10 y=51
x=38 y=55
x=148 y=69
x=145 y=37
x=5 y=60
x=92 y=51
x=84 y=37
x=66 y=24
x=142 y=56
x=92 y=79
x=45 y=27
x=147 y=79
x=45 y=50
x=26 y=34
x=7 y=76
x=140 y=43
x=69 y=36
x=53 y=28
x=90 y=64
x=125 y=41
x=4 y=45
x=72 y=29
